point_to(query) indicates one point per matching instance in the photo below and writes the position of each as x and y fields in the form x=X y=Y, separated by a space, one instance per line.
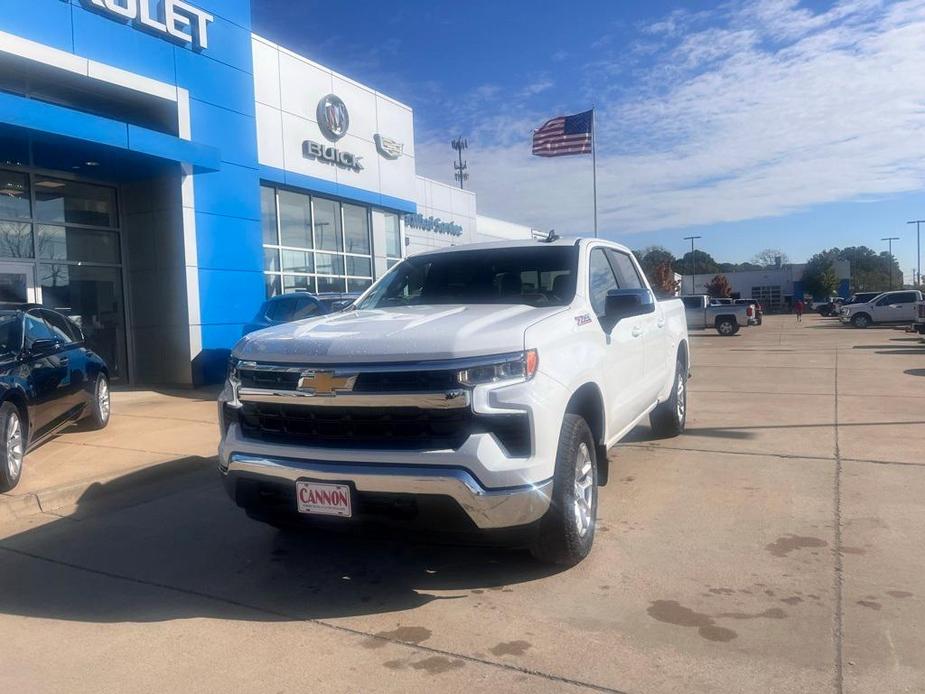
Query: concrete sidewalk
x=160 y=432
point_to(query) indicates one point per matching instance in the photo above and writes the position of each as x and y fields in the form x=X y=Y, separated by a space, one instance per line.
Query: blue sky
x=754 y=123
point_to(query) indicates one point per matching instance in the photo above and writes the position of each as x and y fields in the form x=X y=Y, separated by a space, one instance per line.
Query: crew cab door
x=896 y=307
x=654 y=325
x=48 y=373
x=623 y=370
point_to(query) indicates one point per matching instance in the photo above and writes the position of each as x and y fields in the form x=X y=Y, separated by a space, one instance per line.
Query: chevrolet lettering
x=176 y=19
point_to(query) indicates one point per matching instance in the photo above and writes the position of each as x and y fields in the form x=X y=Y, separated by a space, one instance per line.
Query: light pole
x=693 y=261
x=918 y=249
x=890 y=240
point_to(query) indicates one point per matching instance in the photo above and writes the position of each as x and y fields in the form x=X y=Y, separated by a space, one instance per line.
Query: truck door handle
x=661 y=323
x=637 y=331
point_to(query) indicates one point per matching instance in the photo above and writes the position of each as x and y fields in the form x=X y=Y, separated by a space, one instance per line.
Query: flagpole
x=594 y=168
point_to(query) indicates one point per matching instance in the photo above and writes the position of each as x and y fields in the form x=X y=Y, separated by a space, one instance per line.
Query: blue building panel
x=235 y=11
x=229 y=131
x=229 y=297
x=229 y=243
x=233 y=192
x=215 y=83
x=45 y=21
x=229 y=43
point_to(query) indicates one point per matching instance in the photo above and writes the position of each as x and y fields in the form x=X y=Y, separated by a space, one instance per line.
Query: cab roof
x=518 y=243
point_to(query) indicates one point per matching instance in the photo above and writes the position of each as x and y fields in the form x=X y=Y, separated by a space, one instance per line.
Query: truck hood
x=413 y=333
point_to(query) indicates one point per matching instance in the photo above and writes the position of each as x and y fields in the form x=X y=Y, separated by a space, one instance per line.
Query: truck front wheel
x=566 y=532
x=862 y=320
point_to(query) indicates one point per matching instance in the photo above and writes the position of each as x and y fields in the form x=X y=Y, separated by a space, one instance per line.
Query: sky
x=752 y=123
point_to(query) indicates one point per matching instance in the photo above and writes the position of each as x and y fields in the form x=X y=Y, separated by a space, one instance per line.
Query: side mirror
x=43 y=346
x=624 y=303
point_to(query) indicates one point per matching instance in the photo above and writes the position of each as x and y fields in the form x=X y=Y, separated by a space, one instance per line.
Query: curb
x=91 y=491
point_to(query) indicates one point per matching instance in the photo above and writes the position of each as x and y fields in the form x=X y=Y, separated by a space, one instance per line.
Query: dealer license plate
x=324 y=499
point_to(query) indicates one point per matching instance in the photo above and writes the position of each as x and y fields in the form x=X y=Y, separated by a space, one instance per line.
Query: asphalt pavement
x=775 y=547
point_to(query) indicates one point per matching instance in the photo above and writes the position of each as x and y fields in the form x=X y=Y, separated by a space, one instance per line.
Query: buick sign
x=333 y=118
x=331 y=155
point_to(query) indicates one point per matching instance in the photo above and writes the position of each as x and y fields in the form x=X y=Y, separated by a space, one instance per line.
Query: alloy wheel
x=14 y=445
x=681 y=395
x=584 y=490
x=102 y=398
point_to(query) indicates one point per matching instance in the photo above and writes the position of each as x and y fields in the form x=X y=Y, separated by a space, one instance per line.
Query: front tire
x=100 y=406
x=862 y=320
x=669 y=418
x=12 y=446
x=566 y=532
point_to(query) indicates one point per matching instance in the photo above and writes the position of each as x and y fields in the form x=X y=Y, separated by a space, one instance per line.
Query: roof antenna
x=545 y=238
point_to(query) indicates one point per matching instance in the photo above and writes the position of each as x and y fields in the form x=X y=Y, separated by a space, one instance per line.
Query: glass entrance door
x=17 y=284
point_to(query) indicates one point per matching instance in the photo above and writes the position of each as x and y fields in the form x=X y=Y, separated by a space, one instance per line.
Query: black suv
x=49 y=378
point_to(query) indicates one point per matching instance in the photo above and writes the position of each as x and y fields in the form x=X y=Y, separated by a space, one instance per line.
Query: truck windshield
x=534 y=276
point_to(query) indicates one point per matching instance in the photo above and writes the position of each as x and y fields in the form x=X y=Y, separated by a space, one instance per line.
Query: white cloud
x=767 y=109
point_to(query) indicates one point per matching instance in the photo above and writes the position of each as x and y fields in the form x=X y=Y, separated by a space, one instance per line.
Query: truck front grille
x=367 y=382
x=397 y=428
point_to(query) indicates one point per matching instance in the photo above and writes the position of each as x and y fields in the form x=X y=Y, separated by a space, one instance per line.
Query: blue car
x=286 y=308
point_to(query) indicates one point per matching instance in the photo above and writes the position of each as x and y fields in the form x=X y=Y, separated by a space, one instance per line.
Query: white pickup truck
x=919 y=324
x=701 y=312
x=471 y=388
x=886 y=308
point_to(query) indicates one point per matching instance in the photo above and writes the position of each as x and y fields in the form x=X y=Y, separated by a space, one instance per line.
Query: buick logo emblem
x=333 y=117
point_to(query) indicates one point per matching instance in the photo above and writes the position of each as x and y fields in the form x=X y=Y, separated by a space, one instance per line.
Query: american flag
x=564 y=135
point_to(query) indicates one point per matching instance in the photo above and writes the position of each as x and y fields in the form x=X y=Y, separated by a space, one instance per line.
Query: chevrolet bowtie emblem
x=325 y=383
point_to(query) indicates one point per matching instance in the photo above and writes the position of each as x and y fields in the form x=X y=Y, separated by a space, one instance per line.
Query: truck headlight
x=233 y=381
x=521 y=367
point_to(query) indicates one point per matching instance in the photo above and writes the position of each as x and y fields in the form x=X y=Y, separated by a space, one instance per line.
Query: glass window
x=268 y=215
x=14 y=195
x=282 y=308
x=10 y=333
x=15 y=239
x=392 y=236
x=92 y=298
x=692 y=302
x=329 y=264
x=295 y=215
x=327 y=225
x=358 y=285
x=627 y=277
x=14 y=287
x=273 y=285
x=297 y=261
x=58 y=325
x=294 y=283
x=331 y=284
x=602 y=281
x=480 y=277
x=362 y=267
x=356 y=229
x=70 y=202
x=271 y=259
x=36 y=329
x=306 y=308
x=71 y=243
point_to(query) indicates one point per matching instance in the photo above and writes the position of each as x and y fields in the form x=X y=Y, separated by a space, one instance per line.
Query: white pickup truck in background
x=887 y=308
x=919 y=324
x=727 y=318
x=476 y=386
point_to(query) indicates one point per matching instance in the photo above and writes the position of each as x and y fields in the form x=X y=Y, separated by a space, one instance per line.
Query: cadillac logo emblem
x=389 y=148
x=325 y=383
x=333 y=117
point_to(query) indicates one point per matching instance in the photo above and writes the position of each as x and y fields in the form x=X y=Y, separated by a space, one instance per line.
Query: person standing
x=798 y=307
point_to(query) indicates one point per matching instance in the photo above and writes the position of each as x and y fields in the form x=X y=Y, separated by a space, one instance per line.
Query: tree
x=697 y=263
x=819 y=276
x=870 y=271
x=663 y=281
x=651 y=258
x=718 y=287
x=769 y=257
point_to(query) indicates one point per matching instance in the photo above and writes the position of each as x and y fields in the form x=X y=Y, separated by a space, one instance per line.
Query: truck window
x=692 y=301
x=602 y=280
x=531 y=275
x=625 y=270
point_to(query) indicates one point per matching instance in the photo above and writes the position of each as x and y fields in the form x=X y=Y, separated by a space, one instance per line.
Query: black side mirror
x=44 y=346
x=624 y=303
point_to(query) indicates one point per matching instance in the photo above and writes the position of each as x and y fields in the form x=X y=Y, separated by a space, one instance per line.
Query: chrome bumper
x=488 y=508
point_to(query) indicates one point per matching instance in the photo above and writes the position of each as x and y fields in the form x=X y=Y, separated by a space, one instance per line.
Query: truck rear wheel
x=727 y=327
x=669 y=418
x=566 y=532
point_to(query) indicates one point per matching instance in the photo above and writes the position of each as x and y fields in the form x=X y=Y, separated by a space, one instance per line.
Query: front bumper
x=486 y=508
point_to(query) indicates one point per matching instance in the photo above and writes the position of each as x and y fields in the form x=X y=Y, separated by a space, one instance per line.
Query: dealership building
x=163 y=171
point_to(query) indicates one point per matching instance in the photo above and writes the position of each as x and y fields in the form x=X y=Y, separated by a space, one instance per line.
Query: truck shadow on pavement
x=182 y=550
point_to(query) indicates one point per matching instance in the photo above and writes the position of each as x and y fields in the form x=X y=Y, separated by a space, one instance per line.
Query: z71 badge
x=583 y=319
